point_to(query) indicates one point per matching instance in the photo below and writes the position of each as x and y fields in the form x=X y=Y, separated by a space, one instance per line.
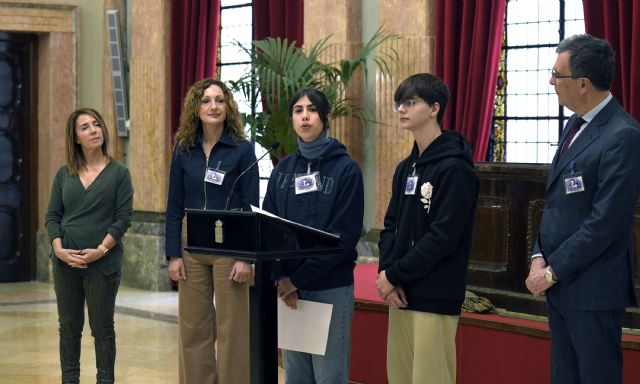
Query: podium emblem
x=218 y=232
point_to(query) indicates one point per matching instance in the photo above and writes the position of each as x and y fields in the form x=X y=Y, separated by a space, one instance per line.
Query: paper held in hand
x=305 y=329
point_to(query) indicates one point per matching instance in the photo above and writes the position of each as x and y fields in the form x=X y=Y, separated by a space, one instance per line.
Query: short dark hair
x=590 y=57
x=426 y=86
x=318 y=99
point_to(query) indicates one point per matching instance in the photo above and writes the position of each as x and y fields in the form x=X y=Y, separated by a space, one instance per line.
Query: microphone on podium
x=273 y=146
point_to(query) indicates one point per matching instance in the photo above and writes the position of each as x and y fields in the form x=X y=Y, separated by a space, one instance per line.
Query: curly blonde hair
x=191 y=126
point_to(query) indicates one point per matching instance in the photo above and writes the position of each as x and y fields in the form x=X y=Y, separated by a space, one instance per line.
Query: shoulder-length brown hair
x=191 y=126
x=73 y=154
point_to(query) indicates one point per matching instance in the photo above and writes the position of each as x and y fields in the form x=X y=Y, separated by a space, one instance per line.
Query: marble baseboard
x=43 y=260
x=144 y=265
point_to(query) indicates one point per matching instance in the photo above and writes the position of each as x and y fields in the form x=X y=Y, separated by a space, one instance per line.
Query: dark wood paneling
x=503 y=226
x=506 y=225
x=490 y=248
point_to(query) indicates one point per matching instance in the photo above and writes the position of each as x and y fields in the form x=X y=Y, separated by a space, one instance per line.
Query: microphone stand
x=233 y=186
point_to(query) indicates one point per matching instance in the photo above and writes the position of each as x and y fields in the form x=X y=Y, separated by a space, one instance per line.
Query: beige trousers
x=201 y=323
x=421 y=347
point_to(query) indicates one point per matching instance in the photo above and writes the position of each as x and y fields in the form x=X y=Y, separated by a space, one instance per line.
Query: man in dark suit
x=583 y=256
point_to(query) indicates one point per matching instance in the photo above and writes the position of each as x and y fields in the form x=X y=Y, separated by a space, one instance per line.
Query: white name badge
x=214 y=176
x=573 y=184
x=307 y=183
x=410 y=187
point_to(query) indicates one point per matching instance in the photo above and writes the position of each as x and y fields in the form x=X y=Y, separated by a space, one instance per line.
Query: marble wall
x=345 y=29
x=144 y=265
x=413 y=24
x=147 y=150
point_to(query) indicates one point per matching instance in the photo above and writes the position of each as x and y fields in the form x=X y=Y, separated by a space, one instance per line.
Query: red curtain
x=468 y=43
x=618 y=22
x=279 y=18
x=195 y=25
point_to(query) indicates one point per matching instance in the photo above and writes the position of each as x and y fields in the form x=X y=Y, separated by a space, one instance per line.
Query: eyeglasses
x=407 y=104
x=556 y=75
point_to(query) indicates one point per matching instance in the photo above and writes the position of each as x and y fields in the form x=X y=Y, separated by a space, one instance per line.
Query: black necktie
x=570 y=135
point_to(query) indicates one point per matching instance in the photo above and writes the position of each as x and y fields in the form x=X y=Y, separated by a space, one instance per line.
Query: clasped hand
x=393 y=296
x=536 y=282
x=78 y=258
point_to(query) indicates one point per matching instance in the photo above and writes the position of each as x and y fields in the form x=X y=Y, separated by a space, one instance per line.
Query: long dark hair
x=318 y=99
x=74 y=157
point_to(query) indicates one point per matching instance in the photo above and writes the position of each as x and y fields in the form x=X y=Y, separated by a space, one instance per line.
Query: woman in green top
x=89 y=212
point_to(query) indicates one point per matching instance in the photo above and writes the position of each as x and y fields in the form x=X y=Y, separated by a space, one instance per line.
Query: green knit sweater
x=82 y=217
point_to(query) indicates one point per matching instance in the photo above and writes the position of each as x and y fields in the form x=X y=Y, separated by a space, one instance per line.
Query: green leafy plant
x=280 y=69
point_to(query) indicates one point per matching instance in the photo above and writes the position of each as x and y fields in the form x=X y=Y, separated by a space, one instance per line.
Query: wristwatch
x=548 y=276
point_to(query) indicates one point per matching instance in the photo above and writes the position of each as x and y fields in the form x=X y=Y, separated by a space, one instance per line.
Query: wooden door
x=18 y=155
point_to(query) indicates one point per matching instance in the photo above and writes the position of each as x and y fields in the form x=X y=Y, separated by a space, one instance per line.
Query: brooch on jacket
x=426 y=190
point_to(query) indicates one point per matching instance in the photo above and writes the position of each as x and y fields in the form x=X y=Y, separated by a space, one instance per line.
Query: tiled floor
x=146 y=336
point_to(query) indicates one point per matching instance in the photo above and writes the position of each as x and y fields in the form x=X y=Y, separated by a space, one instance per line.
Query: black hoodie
x=338 y=207
x=426 y=250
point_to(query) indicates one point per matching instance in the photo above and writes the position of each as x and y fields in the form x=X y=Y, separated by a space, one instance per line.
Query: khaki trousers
x=201 y=323
x=421 y=347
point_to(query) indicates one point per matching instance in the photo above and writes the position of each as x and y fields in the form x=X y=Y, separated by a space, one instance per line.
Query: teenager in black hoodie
x=425 y=244
x=319 y=186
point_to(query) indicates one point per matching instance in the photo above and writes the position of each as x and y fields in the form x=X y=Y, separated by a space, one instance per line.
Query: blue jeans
x=73 y=286
x=333 y=367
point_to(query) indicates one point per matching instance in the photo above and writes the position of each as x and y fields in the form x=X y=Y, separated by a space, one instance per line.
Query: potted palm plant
x=279 y=69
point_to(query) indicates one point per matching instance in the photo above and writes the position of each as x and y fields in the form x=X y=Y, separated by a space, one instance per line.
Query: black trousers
x=586 y=346
x=74 y=287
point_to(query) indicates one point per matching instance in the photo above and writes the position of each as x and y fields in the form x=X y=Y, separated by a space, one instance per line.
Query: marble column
x=149 y=152
x=414 y=23
x=149 y=140
x=342 y=19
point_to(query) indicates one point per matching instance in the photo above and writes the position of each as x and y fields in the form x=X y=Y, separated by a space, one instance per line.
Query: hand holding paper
x=305 y=329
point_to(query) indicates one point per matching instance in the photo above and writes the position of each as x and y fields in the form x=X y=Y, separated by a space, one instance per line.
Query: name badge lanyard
x=573 y=182
x=215 y=176
x=308 y=182
x=412 y=182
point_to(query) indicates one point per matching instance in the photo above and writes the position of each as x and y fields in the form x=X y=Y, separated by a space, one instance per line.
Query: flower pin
x=426 y=190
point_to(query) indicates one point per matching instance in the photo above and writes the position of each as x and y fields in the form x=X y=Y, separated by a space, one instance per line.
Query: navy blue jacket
x=586 y=236
x=426 y=251
x=187 y=188
x=338 y=207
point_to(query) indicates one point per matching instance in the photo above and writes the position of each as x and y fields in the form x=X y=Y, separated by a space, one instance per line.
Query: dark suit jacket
x=586 y=236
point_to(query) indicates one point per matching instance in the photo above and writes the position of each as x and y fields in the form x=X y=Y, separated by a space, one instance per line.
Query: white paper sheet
x=312 y=229
x=305 y=329
x=260 y=210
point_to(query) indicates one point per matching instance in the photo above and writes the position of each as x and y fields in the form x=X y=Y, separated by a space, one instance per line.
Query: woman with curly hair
x=210 y=152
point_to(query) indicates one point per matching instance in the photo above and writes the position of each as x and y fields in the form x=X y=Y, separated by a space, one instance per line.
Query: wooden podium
x=259 y=238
